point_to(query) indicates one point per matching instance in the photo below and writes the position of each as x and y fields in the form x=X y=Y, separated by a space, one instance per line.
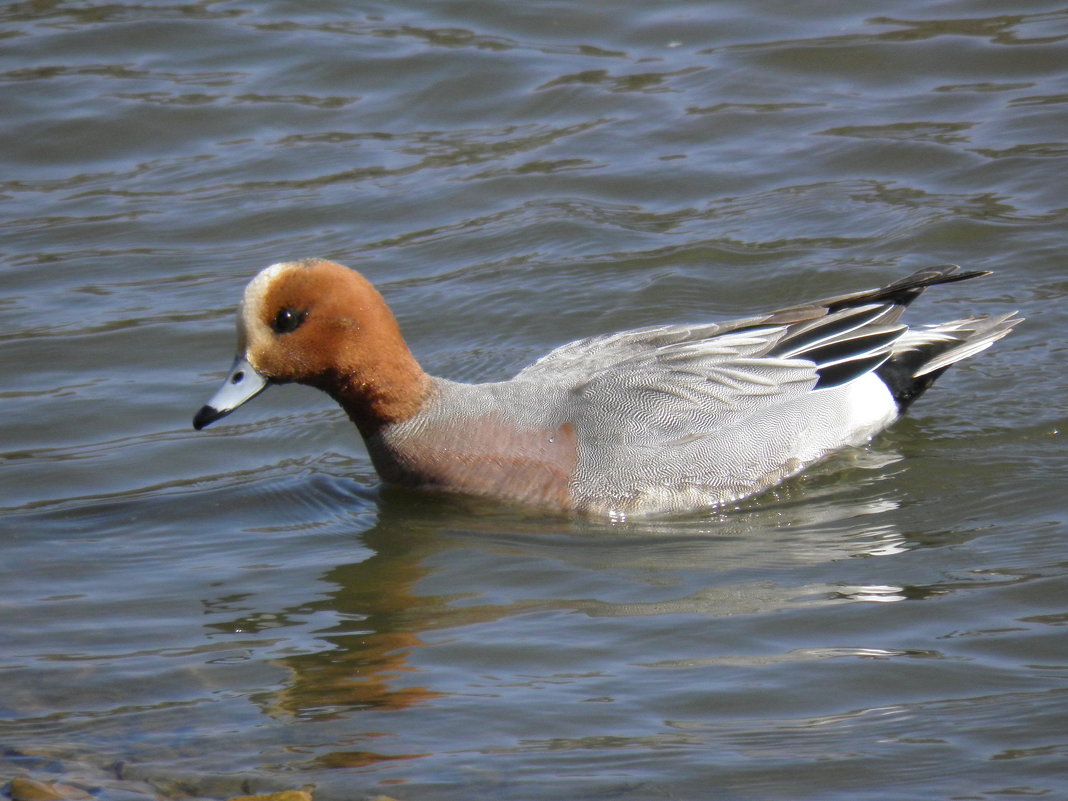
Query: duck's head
x=315 y=322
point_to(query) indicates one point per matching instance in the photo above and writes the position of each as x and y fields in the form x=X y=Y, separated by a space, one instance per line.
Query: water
x=245 y=610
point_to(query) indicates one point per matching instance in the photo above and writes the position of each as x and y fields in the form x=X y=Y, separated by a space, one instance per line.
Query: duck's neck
x=391 y=392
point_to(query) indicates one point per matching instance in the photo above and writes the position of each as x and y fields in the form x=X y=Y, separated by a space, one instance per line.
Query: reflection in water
x=721 y=566
x=377 y=618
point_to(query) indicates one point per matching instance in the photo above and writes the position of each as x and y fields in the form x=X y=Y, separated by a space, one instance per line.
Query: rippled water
x=244 y=609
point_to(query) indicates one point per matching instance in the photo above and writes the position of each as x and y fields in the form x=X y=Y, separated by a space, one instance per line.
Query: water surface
x=244 y=609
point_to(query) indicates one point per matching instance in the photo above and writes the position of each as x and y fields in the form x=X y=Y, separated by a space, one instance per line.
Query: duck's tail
x=849 y=335
x=922 y=354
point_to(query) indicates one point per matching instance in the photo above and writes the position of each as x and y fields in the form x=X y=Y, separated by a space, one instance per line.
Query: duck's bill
x=242 y=384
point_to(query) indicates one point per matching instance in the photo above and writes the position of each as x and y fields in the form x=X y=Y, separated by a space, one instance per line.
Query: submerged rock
x=23 y=788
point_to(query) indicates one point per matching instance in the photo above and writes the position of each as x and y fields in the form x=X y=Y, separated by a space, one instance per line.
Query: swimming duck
x=657 y=420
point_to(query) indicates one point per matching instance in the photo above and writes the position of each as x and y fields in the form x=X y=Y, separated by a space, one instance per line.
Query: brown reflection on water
x=380 y=618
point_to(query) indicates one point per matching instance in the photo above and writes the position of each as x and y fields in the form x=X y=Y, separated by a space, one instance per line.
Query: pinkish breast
x=485 y=456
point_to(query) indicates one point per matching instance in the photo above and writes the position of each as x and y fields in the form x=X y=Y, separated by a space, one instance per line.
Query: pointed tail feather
x=922 y=354
x=901 y=292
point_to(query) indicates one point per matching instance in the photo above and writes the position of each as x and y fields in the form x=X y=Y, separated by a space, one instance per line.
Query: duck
x=660 y=420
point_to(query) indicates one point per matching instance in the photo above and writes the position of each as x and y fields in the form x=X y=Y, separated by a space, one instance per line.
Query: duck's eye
x=288 y=320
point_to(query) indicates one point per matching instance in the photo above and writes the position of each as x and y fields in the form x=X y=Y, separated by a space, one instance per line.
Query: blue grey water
x=244 y=609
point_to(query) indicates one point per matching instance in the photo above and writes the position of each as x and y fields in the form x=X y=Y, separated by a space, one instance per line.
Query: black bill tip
x=206 y=416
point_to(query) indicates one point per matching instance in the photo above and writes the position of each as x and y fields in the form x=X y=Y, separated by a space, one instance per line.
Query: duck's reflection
x=438 y=563
x=377 y=622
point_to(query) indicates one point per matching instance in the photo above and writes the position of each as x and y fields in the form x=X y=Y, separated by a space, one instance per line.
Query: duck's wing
x=684 y=388
x=585 y=357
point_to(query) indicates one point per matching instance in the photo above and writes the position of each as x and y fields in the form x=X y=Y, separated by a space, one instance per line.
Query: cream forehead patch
x=256 y=291
x=249 y=313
